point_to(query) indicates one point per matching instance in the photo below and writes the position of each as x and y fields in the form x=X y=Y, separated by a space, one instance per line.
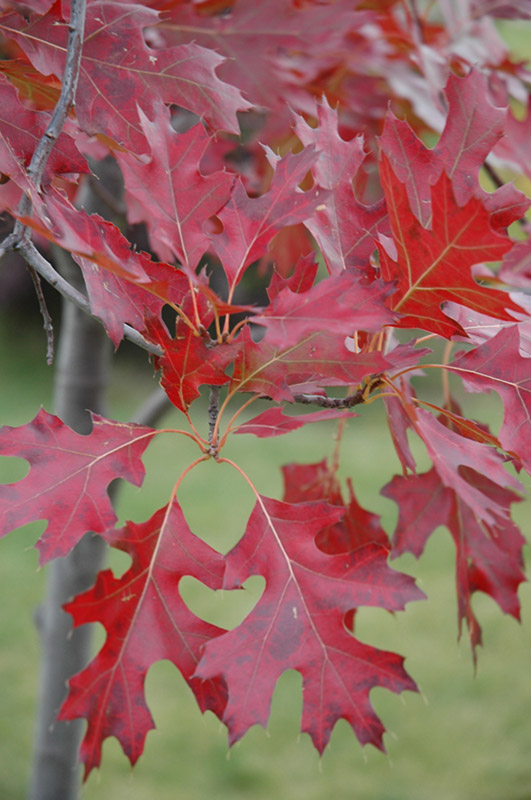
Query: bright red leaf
x=188 y=362
x=145 y=620
x=433 y=265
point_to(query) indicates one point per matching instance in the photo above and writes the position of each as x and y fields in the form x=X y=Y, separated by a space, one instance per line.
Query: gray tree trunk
x=80 y=379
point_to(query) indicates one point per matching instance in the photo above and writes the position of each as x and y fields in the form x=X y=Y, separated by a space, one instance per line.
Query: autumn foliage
x=356 y=158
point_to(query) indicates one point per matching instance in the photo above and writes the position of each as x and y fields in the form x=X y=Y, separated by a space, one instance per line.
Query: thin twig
x=9 y=243
x=46 y=271
x=46 y=318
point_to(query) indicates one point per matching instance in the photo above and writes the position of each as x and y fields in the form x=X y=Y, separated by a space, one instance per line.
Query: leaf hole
x=118 y=561
x=13 y=469
x=227 y=609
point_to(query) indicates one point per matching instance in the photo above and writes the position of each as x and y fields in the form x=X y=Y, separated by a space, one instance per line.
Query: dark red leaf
x=338 y=304
x=176 y=199
x=488 y=555
x=298 y=624
x=120 y=73
x=497 y=366
x=69 y=476
x=274 y=422
x=249 y=224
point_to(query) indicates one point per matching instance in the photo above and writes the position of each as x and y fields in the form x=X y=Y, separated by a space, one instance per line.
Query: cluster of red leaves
x=404 y=234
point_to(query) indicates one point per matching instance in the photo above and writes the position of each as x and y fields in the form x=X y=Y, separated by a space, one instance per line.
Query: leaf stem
x=201 y=441
x=242 y=473
x=234 y=417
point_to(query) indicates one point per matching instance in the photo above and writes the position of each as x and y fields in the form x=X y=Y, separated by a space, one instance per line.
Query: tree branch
x=66 y=101
x=46 y=271
x=213 y=411
x=331 y=402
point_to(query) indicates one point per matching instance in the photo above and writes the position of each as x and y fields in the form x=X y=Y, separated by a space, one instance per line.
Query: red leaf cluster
x=302 y=242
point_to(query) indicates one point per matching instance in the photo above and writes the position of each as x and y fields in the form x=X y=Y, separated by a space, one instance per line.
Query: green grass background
x=462 y=737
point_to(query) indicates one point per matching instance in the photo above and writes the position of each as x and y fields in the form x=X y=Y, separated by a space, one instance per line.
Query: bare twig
x=46 y=318
x=46 y=271
x=9 y=243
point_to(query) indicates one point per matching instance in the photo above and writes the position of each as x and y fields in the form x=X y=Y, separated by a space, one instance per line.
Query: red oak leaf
x=69 y=476
x=318 y=359
x=497 y=366
x=455 y=455
x=298 y=624
x=258 y=39
x=473 y=127
x=488 y=555
x=120 y=73
x=338 y=160
x=117 y=301
x=344 y=228
x=249 y=224
x=275 y=423
x=301 y=279
x=434 y=265
x=89 y=236
x=304 y=483
x=146 y=620
x=357 y=526
x=337 y=304
x=188 y=362
x=20 y=131
x=175 y=197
